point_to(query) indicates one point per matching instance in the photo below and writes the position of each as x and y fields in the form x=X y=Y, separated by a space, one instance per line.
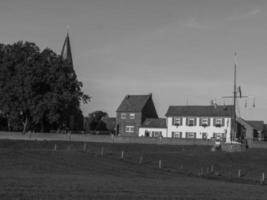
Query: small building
x=251 y=130
x=132 y=112
x=199 y=122
x=265 y=132
x=153 y=128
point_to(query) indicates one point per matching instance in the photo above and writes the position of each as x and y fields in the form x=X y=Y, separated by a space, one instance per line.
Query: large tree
x=94 y=121
x=38 y=89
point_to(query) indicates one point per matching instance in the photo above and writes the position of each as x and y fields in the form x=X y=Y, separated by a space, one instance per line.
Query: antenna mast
x=233 y=135
x=234 y=97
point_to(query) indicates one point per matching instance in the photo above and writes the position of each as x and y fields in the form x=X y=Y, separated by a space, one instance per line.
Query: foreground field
x=34 y=170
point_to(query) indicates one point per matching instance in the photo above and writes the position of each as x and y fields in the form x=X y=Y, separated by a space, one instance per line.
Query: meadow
x=76 y=170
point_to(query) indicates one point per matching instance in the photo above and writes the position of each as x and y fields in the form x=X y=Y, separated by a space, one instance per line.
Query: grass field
x=34 y=170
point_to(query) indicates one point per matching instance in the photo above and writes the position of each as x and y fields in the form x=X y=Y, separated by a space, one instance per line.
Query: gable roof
x=200 y=111
x=133 y=103
x=154 y=123
x=257 y=125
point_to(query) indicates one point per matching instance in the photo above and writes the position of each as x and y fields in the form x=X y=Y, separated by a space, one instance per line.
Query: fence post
x=69 y=135
x=159 y=164
x=55 y=147
x=102 y=151
x=239 y=173
x=84 y=147
x=262 y=178
x=140 y=160
x=112 y=136
x=211 y=169
x=201 y=172
x=122 y=155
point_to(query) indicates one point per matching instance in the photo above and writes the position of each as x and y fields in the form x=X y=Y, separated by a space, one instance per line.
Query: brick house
x=132 y=112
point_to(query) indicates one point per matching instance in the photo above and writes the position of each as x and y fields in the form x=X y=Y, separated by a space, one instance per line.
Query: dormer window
x=123 y=115
x=177 y=121
x=132 y=115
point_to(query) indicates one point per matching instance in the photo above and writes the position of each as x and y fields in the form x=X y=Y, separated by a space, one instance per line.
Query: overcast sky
x=182 y=51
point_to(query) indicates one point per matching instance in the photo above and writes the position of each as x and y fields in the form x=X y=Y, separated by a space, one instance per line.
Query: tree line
x=39 y=90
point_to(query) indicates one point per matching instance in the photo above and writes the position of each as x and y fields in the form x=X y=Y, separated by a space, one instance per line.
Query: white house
x=153 y=128
x=199 y=122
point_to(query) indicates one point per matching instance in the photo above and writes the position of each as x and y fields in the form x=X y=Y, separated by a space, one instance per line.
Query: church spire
x=66 y=51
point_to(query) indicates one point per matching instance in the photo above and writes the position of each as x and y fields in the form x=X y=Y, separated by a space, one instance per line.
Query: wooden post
x=159 y=164
x=262 y=178
x=201 y=172
x=122 y=155
x=102 y=151
x=55 y=147
x=208 y=170
x=140 y=160
x=211 y=169
x=239 y=173
x=69 y=134
x=112 y=136
x=84 y=147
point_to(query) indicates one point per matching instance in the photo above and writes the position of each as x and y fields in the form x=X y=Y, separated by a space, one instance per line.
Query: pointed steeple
x=66 y=51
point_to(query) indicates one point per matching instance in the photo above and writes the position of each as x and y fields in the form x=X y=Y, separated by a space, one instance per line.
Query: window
x=147 y=133
x=204 y=136
x=218 y=122
x=204 y=122
x=129 y=129
x=190 y=135
x=132 y=115
x=218 y=135
x=156 y=133
x=177 y=134
x=123 y=115
x=177 y=121
x=191 y=121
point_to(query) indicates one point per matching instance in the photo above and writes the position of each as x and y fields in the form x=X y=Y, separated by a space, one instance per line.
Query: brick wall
x=122 y=123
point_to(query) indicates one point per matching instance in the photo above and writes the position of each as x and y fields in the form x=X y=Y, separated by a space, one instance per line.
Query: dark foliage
x=94 y=121
x=39 y=91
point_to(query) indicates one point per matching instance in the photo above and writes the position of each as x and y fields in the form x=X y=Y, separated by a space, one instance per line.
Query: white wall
x=199 y=129
x=143 y=130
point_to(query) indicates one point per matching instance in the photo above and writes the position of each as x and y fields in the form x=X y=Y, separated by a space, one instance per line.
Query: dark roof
x=265 y=130
x=199 y=111
x=257 y=125
x=154 y=123
x=66 y=50
x=133 y=103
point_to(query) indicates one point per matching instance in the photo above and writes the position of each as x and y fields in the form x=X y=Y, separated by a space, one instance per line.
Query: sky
x=181 y=51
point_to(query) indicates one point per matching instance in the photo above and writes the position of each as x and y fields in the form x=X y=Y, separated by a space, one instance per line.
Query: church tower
x=66 y=51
